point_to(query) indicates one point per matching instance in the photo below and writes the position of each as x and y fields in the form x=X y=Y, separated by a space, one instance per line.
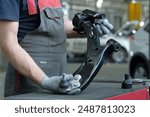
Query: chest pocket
x=52 y=23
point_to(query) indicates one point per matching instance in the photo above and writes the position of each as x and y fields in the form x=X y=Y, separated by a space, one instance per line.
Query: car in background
x=139 y=65
x=122 y=55
x=122 y=36
x=78 y=47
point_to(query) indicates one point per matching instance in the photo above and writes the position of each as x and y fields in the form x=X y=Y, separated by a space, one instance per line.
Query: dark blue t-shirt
x=18 y=11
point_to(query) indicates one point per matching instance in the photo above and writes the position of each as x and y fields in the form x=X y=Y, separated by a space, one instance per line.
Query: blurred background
x=117 y=11
x=130 y=19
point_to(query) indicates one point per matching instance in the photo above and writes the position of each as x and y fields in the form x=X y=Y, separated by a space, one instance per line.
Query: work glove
x=64 y=84
x=98 y=20
x=103 y=26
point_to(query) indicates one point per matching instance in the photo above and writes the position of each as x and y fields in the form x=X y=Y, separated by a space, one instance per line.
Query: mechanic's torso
x=42 y=36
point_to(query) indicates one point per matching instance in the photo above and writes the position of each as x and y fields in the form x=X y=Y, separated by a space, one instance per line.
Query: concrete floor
x=108 y=71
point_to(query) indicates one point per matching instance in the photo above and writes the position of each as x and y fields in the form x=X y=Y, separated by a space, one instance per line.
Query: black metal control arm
x=95 y=53
x=84 y=16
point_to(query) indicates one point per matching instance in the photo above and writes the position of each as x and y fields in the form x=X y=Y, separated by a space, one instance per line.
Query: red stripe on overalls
x=31 y=7
x=42 y=4
x=18 y=76
x=49 y=3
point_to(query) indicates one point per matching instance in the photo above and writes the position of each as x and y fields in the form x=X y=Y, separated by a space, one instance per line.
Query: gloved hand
x=64 y=84
x=93 y=17
x=103 y=26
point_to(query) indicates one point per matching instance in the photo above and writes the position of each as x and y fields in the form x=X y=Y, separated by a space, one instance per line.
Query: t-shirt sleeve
x=9 y=10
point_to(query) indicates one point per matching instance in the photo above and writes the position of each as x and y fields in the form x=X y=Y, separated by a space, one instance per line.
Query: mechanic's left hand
x=103 y=26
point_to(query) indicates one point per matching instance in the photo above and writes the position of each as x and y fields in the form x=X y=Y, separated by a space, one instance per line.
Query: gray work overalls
x=46 y=45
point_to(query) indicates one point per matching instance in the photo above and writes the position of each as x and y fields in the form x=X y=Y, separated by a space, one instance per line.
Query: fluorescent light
x=141 y=24
x=99 y=3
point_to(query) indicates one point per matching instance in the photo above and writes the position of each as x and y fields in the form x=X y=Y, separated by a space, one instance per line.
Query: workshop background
x=118 y=12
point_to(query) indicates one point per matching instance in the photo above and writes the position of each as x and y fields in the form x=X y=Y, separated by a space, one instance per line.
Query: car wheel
x=139 y=71
x=120 y=56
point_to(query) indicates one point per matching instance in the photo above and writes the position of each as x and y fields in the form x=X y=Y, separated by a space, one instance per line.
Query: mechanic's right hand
x=64 y=84
x=103 y=26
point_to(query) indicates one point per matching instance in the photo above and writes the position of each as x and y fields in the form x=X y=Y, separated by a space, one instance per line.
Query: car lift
x=90 y=67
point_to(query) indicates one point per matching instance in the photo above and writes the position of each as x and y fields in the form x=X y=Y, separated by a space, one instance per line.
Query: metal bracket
x=95 y=55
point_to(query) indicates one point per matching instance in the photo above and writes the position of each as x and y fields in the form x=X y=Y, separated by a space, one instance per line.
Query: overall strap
x=42 y=4
x=32 y=7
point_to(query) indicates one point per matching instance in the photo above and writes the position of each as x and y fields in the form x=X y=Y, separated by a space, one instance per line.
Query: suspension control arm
x=95 y=55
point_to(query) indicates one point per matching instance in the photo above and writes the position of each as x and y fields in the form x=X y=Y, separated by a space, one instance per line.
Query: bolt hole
x=96 y=49
x=117 y=48
x=89 y=60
